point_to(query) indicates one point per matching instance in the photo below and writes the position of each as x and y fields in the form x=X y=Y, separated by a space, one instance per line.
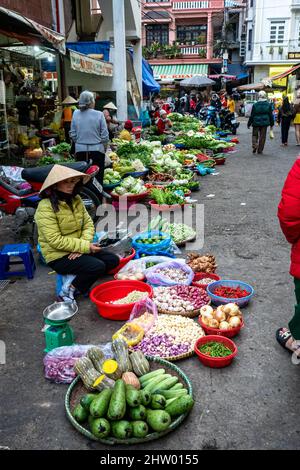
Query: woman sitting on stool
x=66 y=233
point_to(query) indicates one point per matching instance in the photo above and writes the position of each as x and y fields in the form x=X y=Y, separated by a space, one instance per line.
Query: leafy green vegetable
x=162 y=196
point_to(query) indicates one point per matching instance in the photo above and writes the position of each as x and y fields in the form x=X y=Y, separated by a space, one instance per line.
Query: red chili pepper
x=231 y=292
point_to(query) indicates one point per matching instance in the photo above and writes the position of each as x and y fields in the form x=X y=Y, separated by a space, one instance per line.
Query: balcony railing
x=198 y=50
x=192 y=5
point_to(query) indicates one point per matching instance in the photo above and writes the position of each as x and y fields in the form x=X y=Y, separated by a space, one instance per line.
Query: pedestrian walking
x=89 y=132
x=66 y=232
x=285 y=114
x=69 y=106
x=297 y=117
x=260 y=119
x=289 y=218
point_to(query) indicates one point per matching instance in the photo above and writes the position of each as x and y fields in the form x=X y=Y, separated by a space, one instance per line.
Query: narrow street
x=253 y=404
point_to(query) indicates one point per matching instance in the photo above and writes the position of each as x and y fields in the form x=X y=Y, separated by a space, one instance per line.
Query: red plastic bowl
x=165 y=207
x=123 y=261
x=215 y=331
x=215 y=362
x=199 y=276
x=114 y=290
x=131 y=197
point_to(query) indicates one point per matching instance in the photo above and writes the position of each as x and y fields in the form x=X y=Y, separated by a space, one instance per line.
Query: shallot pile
x=180 y=298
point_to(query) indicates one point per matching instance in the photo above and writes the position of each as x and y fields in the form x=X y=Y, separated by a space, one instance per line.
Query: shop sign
x=83 y=63
x=50 y=75
x=294 y=55
x=173 y=76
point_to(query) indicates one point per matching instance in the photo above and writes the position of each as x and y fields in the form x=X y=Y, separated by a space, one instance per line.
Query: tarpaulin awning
x=286 y=73
x=91 y=48
x=178 y=71
x=259 y=86
x=15 y=25
x=149 y=84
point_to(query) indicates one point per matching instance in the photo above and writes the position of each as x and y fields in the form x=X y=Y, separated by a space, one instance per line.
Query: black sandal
x=283 y=337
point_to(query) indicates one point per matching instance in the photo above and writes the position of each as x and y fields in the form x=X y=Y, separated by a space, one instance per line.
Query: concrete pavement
x=254 y=403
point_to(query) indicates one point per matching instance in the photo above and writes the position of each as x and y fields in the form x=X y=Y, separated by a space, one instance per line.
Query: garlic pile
x=225 y=317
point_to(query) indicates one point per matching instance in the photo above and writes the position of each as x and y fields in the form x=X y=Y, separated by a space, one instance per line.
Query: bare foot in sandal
x=286 y=340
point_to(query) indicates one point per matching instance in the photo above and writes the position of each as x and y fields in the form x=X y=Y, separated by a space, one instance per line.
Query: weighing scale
x=57 y=331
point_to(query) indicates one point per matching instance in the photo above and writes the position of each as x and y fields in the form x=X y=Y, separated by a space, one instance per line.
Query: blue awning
x=238 y=70
x=91 y=47
x=149 y=84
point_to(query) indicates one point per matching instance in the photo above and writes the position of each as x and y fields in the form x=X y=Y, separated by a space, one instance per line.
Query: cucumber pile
x=124 y=411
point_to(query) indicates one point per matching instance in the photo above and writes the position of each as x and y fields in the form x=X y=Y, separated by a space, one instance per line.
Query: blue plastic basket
x=242 y=302
x=156 y=248
x=111 y=186
x=180 y=146
x=138 y=174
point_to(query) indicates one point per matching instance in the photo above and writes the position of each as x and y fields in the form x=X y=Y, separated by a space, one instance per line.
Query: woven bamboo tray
x=76 y=390
x=191 y=314
x=182 y=356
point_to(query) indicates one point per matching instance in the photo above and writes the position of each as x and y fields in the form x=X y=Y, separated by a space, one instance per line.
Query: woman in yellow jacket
x=66 y=232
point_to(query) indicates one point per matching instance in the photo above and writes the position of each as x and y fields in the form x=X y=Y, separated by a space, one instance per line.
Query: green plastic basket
x=76 y=386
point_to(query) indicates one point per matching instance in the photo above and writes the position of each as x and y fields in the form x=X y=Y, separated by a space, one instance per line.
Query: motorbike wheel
x=91 y=202
x=233 y=132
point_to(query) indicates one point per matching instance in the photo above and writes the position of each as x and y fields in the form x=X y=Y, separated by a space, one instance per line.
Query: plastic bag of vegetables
x=171 y=273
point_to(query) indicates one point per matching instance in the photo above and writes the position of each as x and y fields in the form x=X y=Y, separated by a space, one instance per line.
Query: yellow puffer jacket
x=65 y=231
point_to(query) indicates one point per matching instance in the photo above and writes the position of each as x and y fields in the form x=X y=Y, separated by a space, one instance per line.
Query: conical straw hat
x=69 y=100
x=110 y=105
x=61 y=173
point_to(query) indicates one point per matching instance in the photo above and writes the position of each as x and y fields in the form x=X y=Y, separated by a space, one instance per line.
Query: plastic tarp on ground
x=91 y=47
x=149 y=84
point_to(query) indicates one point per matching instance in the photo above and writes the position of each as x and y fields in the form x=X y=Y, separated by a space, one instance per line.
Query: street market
x=145 y=231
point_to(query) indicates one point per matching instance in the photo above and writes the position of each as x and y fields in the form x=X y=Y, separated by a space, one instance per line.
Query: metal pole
x=120 y=69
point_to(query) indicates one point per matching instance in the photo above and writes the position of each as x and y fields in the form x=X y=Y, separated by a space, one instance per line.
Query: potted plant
x=280 y=50
x=202 y=53
x=201 y=39
x=271 y=50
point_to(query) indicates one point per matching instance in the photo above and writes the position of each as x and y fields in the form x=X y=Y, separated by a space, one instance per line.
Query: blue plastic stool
x=59 y=283
x=23 y=251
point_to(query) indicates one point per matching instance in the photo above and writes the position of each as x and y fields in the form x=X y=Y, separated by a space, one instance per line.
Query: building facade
x=182 y=38
x=117 y=22
x=38 y=10
x=273 y=37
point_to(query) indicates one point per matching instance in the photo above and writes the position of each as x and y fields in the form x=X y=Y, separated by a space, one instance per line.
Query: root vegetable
x=220 y=315
x=213 y=323
x=206 y=309
x=234 y=322
x=224 y=325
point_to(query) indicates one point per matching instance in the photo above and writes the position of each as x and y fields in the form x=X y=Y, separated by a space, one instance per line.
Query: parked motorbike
x=209 y=115
x=23 y=202
x=228 y=121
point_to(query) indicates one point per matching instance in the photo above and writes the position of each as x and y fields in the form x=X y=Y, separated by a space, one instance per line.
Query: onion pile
x=180 y=298
x=170 y=336
x=225 y=317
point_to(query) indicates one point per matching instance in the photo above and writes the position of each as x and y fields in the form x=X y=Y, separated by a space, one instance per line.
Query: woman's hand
x=74 y=255
x=94 y=248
